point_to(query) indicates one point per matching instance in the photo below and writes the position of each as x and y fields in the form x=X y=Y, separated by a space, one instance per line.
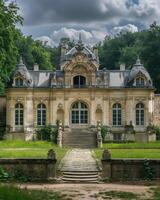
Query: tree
x=9 y=34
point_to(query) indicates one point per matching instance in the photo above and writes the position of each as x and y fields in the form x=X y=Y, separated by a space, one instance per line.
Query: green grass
x=131 y=150
x=25 y=144
x=131 y=153
x=156 y=195
x=119 y=195
x=29 y=149
x=13 y=193
x=150 y=145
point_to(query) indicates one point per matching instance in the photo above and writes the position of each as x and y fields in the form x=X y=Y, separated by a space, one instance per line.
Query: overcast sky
x=52 y=19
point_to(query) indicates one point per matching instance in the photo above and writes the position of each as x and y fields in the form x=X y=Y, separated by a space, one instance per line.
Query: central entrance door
x=79 y=113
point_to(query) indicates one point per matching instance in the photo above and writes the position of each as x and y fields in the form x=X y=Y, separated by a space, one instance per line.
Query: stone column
x=51 y=165
x=66 y=113
x=92 y=113
x=29 y=117
x=106 y=165
x=54 y=111
x=106 y=112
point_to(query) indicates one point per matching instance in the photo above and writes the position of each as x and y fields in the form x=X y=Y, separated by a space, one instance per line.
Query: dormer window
x=79 y=81
x=140 y=82
x=19 y=82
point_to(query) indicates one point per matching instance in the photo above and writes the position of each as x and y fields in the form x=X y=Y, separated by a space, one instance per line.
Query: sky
x=49 y=20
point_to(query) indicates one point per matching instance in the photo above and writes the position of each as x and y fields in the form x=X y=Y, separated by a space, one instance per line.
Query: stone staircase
x=79 y=138
x=80 y=176
x=79 y=166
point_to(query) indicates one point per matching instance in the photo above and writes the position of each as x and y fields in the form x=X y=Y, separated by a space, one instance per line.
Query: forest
x=113 y=51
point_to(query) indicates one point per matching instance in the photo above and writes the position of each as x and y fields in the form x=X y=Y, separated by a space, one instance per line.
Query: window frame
x=41 y=114
x=140 y=114
x=79 y=113
x=19 y=115
x=140 y=81
x=81 y=81
x=19 y=82
x=116 y=115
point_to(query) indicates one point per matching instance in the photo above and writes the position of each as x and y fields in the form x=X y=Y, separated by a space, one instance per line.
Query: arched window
x=79 y=113
x=79 y=81
x=140 y=114
x=19 y=114
x=19 y=82
x=117 y=114
x=41 y=114
x=140 y=82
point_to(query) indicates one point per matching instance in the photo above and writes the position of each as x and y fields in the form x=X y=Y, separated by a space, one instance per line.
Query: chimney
x=95 y=50
x=122 y=67
x=64 y=49
x=36 y=67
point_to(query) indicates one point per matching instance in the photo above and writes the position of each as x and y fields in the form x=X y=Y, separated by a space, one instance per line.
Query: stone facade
x=80 y=94
x=157 y=110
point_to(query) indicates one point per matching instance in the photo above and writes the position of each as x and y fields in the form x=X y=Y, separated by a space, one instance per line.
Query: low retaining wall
x=130 y=169
x=33 y=169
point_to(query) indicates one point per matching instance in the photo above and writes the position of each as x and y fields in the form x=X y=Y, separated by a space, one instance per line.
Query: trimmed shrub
x=47 y=133
x=104 y=131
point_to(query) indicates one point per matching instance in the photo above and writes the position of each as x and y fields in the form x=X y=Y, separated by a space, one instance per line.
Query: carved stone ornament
x=60 y=105
x=51 y=154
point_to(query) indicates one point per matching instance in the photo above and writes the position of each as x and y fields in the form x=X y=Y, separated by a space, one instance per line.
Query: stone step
x=80 y=172
x=85 y=176
x=89 y=180
x=80 y=138
x=80 y=146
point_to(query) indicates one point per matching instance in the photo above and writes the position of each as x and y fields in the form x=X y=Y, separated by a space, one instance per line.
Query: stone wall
x=32 y=169
x=129 y=169
x=156 y=115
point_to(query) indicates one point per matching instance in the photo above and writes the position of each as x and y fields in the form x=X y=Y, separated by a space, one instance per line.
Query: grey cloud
x=59 y=11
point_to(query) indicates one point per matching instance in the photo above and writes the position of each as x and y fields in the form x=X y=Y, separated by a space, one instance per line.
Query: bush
x=47 y=133
x=4 y=176
x=148 y=173
x=104 y=131
x=157 y=131
x=2 y=132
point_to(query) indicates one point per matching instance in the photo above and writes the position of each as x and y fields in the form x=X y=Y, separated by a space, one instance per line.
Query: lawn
x=29 y=149
x=131 y=150
x=13 y=193
x=150 y=145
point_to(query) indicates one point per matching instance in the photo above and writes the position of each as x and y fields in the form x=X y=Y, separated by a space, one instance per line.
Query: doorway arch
x=79 y=113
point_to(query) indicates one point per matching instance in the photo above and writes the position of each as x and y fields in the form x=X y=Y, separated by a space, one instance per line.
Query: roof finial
x=21 y=60
x=138 y=61
x=80 y=38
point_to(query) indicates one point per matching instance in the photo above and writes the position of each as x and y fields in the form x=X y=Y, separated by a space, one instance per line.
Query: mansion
x=80 y=94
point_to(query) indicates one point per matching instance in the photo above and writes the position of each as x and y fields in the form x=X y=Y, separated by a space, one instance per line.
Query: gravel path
x=89 y=191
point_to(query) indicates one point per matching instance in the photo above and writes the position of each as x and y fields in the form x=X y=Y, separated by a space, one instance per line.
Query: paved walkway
x=79 y=160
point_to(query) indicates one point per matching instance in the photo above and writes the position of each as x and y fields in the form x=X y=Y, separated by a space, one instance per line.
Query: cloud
x=93 y=17
x=47 y=41
x=124 y=29
x=40 y=12
x=90 y=38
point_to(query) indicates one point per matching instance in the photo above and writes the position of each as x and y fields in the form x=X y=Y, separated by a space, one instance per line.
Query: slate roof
x=106 y=78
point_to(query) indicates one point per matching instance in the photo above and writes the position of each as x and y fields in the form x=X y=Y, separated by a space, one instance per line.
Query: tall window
x=140 y=114
x=140 y=82
x=19 y=82
x=41 y=115
x=79 y=113
x=117 y=114
x=79 y=81
x=19 y=114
